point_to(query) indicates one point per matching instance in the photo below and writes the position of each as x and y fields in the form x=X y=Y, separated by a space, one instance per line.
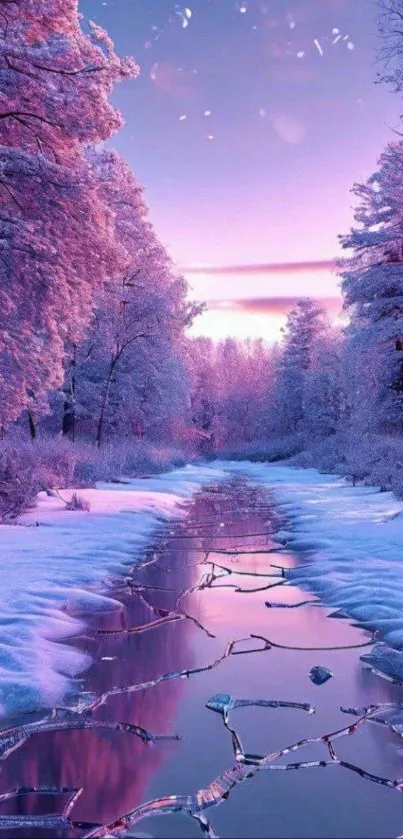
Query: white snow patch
x=53 y=575
x=351 y=539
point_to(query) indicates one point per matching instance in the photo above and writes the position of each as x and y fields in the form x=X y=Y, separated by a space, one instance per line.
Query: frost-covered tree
x=244 y=372
x=372 y=284
x=391 y=50
x=323 y=397
x=306 y=323
x=124 y=373
x=56 y=242
x=203 y=391
x=56 y=79
x=230 y=384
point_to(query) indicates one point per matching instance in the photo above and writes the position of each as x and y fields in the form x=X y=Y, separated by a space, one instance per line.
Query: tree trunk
x=104 y=403
x=68 y=421
x=69 y=406
x=32 y=426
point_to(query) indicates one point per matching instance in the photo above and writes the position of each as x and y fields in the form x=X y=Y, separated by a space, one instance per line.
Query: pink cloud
x=264 y=268
x=271 y=305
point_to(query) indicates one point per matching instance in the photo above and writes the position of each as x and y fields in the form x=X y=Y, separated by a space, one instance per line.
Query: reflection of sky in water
x=112 y=768
x=119 y=772
x=309 y=803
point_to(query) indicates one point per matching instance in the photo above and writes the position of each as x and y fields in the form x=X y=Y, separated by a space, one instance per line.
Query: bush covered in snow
x=78 y=502
x=28 y=467
x=370 y=459
x=270 y=451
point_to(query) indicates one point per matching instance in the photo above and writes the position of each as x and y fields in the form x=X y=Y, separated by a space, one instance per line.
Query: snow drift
x=351 y=541
x=61 y=568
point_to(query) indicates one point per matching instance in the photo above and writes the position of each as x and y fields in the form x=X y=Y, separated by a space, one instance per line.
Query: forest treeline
x=98 y=374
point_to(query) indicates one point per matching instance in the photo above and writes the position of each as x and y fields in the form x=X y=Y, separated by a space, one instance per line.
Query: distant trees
x=230 y=386
x=306 y=324
x=323 y=401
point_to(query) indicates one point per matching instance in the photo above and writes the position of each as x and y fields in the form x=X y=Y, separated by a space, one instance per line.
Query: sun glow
x=218 y=324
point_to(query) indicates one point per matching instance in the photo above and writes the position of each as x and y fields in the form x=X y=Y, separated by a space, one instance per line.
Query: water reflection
x=112 y=768
x=216 y=568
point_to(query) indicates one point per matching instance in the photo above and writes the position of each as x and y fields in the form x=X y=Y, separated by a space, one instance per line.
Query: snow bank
x=351 y=539
x=52 y=575
x=60 y=567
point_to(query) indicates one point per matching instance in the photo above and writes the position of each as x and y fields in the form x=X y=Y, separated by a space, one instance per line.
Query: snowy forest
x=99 y=376
x=201 y=540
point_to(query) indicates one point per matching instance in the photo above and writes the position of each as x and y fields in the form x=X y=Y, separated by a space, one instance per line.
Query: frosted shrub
x=27 y=467
x=271 y=450
x=325 y=455
x=18 y=485
x=77 y=502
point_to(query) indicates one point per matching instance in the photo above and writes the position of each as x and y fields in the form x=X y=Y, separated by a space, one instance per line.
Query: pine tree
x=372 y=284
x=306 y=323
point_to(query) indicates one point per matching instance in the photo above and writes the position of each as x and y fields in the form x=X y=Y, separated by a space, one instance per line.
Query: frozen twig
x=73 y=792
x=223 y=703
x=220 y=788
x=312 y=649
x=292 y=605
x=69 y=720
x=144 y=627
x=175 y=674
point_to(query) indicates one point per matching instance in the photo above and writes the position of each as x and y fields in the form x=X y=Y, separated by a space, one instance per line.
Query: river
x=207 y=583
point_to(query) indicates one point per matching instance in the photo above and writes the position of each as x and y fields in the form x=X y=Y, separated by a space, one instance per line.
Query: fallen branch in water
x=175 y=674
x=247 y=766
x=144 y=627
x=49 y=821
x=73 y=792
x=282 y=582
x=223 y=703
x=165 y=613
x=235 y=570
x=312 y=649
x=293 y=605
x=192 y=805
x=235 y=552
x=46 y=822
x=392 y=708
x=218 y=536
x=69 y=719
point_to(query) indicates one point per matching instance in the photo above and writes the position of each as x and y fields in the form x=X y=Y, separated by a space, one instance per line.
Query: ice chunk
x=319 y=675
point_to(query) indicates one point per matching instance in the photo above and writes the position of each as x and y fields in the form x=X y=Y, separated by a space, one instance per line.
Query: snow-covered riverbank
x=351 y=537
x=62 y=566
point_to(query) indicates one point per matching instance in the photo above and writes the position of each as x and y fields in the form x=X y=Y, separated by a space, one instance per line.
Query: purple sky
x=280 y=115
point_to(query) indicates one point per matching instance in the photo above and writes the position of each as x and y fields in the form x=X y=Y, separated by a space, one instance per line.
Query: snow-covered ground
x=352 y=541
x=65 y=562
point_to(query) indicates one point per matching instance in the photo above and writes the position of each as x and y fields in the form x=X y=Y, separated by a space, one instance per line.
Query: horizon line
x=263 y=268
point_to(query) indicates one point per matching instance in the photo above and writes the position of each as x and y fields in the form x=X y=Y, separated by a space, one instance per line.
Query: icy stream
x=206 y=622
